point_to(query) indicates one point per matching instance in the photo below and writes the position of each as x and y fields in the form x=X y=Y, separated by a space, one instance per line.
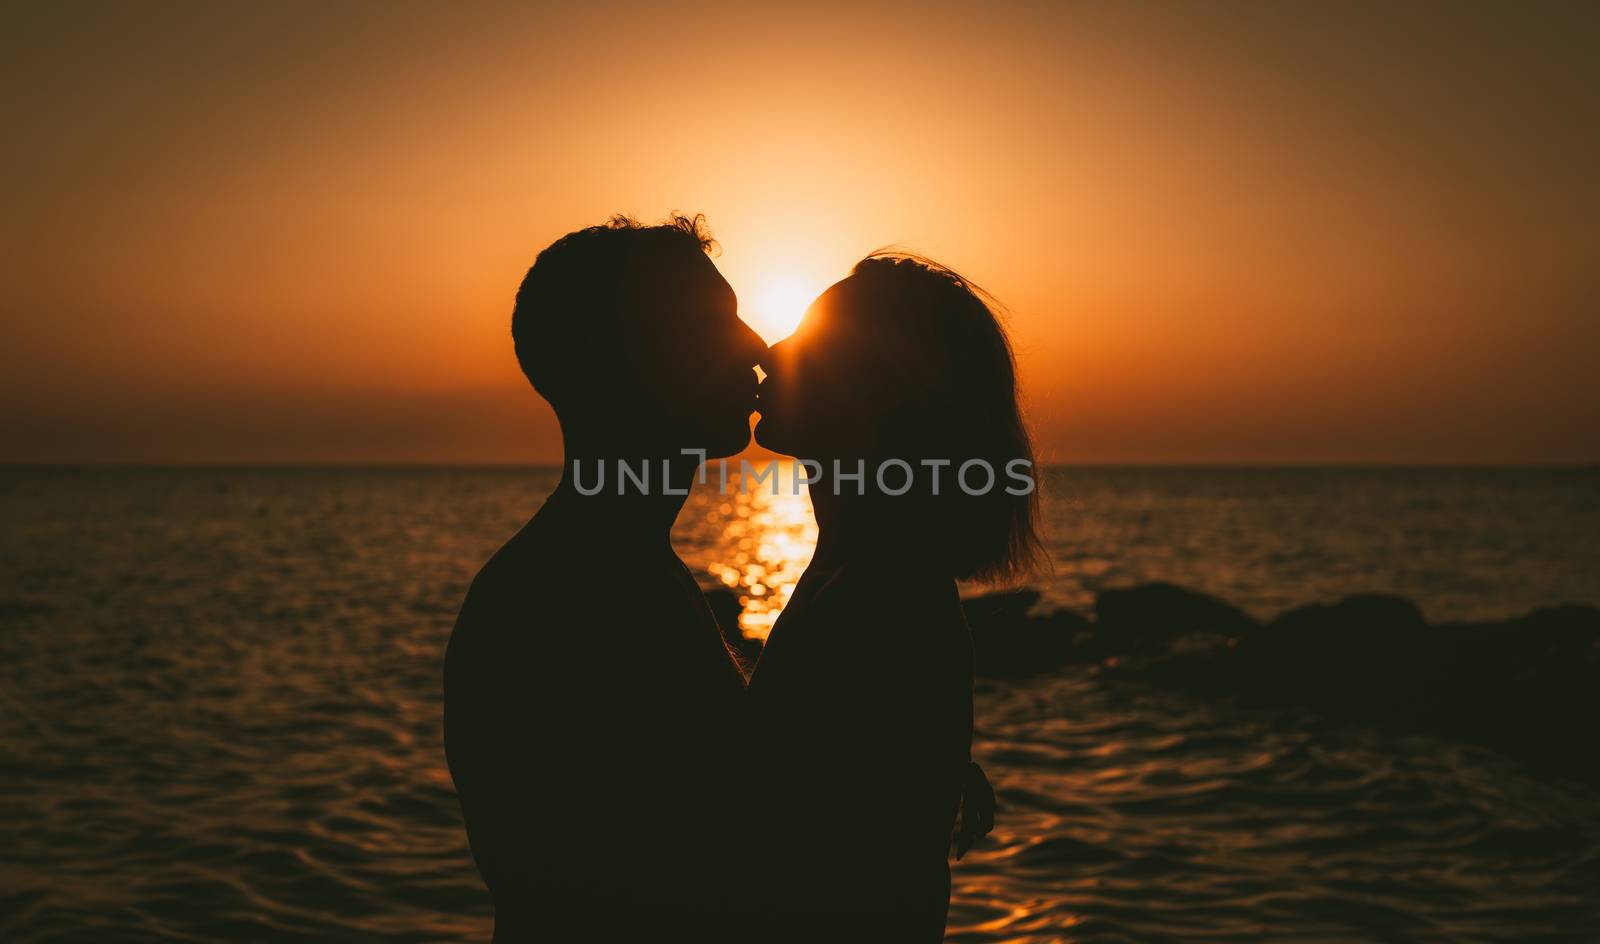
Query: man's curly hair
x=577 y=283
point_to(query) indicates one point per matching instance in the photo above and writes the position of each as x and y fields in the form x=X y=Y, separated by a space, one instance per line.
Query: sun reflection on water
x=750 y=540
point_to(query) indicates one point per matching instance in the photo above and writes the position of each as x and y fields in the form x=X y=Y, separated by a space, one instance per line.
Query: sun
x=775 y=308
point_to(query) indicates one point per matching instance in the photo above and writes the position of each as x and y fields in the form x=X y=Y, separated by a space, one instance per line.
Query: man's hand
x=977 y=809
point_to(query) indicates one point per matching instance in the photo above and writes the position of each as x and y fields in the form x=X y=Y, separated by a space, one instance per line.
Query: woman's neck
x=869 y=527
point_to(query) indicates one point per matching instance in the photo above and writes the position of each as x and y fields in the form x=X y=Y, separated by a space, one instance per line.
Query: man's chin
x=770 y=437
x=729 y=442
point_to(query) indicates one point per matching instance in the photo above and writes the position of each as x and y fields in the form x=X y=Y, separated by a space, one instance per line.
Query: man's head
x=634 y=338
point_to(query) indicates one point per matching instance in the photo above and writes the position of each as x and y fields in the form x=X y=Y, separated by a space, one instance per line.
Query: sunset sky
x=1226 y=232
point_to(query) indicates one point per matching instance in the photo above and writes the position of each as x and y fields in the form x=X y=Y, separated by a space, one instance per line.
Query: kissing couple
x=619 y=779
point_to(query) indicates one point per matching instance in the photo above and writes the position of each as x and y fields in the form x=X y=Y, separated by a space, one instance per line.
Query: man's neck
x=630 y=499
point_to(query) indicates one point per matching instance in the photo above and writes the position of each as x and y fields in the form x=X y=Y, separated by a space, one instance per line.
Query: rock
x=1547 y=642
x=1138 y=621
x=1529 y=686
x=1366 y=657
x=1374 y=614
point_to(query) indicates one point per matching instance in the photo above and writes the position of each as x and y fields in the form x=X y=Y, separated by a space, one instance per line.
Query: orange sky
x=1226 y=232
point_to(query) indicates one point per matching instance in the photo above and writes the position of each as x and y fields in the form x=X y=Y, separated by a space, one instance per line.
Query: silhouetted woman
x=863 y=696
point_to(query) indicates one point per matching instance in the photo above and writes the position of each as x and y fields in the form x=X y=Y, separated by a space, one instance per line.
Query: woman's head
x=906 y=360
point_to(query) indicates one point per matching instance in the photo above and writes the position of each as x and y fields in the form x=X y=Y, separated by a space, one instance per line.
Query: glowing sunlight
x=775 y=307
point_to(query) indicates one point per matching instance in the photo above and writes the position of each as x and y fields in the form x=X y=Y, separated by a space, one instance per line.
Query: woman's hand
x=977 y=809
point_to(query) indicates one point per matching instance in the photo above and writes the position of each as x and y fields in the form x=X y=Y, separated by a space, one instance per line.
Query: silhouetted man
x=591 y=705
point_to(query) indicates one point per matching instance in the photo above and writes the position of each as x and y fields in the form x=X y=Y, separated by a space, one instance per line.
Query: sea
x=220 y=708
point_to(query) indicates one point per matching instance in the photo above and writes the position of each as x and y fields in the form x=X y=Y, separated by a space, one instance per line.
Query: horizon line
x=435 y=465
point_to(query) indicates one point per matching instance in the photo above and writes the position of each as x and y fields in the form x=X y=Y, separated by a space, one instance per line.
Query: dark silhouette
x=591 y=705
x=903 y=359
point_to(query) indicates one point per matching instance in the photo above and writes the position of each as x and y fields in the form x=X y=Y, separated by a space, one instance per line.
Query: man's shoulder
x=535 y=571
x=521 y=598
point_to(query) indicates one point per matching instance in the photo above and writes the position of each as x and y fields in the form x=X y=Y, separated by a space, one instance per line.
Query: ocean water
x=219 y=709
